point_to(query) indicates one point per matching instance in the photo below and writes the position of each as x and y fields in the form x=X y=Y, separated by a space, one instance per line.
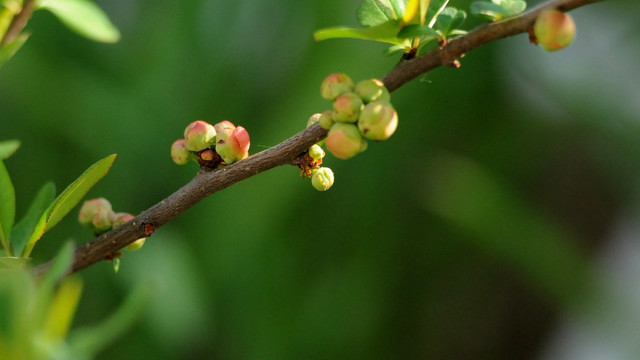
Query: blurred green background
x=499 y=222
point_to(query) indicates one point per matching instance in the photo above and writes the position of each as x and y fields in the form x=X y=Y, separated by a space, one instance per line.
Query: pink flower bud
x=554 y=30
x=232 y=143
x=179 y=153
x=120 y=218
x=335 y=85
x=372 y=90
x=347 y=107
x=378 y=121
x=91 y=208
x=199 y=135
x=344 y=140
x=103 y=221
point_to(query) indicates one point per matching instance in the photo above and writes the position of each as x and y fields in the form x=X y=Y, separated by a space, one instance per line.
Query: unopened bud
x=372 y=90
x=91 y=208
x=347 y=107
x=179 y=153
x=378 y=121
x=554 y=30
x=136 y=245
x=199 y=135
x=322 y=179
x=344 y=140
x=326 y=119
x=316 y=152
x=335 y=85
x=233 y=144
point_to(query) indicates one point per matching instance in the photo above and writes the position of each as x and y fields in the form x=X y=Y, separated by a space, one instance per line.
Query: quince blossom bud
x=313 y=119
x=179 y=153
x=326 y=119
x=136 y=245
x=378 y=121
x=554 y=30
x=91 y=208
x=335 y=85
x=119 y=220
x=199 y=135
x=372 y=90
x=347 y=107
x=316 y=152
x=322 y=179
x=103 y=221
x=344 y=140
x=233 y=142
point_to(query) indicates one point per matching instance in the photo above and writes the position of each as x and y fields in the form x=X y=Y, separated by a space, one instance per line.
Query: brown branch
x=19 y=22
x=207 y=183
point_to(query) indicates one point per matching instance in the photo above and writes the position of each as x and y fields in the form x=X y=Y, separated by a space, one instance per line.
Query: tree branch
x=207 y=183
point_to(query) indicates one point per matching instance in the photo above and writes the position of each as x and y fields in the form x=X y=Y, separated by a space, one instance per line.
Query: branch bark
x=205 y=184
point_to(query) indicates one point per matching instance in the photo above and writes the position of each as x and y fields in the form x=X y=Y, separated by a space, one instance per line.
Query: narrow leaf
x=59 y=268
x=62 y=309
x=27 y=225
x=435 y=8
x=398 y=7
x=7 y=208
x=386 y=32
x=68 y=199
x=373 y=12
x=448 y=20
x=8 y=147
x=84 y=17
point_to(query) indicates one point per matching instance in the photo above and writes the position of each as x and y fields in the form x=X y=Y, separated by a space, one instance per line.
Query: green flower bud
x=378 y=121
x=344 y=140
x=347 y=107
x=554 y=30
x=179 y=153
x=313 y=119
x=199 y=135
x=322 y=179
x=136 y=245
x=91 y=208
x=103 y=221
x=316 y=152
x=326 y=119
x=335 y=85
x=372 y=90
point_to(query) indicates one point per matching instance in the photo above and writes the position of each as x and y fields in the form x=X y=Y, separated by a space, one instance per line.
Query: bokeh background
x=501 y=221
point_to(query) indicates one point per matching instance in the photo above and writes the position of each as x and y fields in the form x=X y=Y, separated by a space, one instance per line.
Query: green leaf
x=386 y=32
x=449 y=20
x=412 y=31
x=7 y=51
x=7 y=208
x=84 y=17
x=27 y=225
x=497 y=9
x=435 y=8
x=8 y=147
x=398 y=7
x=59 y=268
x=374 y=12
x=68 y=199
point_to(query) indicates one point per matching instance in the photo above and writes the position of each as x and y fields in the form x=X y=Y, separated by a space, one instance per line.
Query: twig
x=205 y=184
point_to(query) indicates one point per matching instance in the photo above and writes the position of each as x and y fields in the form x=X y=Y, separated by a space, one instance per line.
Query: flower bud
x=199 y=135
x=378 y=121
x=179 y=153
x=120 y=218
x=207 y=155
x=346 y=107
x=372 y=90
x=91 y=208
x=316 y=152
x=554 y=30
x=322 y=179
x=344 y=140
x=326 y=119
x=313 y=119
x=223 y=129
x=233 y=143
x=335 y=85
x=103 y=221
x=136 y=245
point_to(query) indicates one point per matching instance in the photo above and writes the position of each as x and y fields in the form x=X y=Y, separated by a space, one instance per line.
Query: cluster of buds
x=360 y=111
x=553 y=30
x=97 y=215
x=211 y=145
x=309 y=164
